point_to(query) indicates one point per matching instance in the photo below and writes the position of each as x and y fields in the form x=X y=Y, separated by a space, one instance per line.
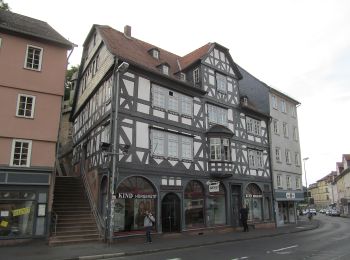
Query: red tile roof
x=346 y=157
x=136 y=51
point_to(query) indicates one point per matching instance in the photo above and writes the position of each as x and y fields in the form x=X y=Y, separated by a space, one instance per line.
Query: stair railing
x=100 y=222
x=54 y=220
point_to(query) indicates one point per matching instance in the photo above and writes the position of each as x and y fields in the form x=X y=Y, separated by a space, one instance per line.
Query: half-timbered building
x=190 y=148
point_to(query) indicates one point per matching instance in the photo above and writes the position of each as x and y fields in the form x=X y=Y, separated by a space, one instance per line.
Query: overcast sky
x=300 y=47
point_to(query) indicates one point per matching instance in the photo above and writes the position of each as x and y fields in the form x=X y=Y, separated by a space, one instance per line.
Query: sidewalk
x=38 y=250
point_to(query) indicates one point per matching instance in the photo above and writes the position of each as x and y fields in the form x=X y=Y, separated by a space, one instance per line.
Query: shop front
x=286 y=205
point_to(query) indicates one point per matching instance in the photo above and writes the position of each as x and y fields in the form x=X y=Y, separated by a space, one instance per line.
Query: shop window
x=253 y=201
x=134 y=195
x=16 y=214
x=194 y=205
x=216 y=207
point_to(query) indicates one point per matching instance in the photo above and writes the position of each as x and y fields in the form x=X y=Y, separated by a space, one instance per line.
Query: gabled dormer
x=155 y=53
x=164 y=68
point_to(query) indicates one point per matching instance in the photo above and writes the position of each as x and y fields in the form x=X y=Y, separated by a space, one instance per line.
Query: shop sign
x=253 y=195
x=125 y=195
x=214 y=187
x=4 y=223
x=19 y=212
x=287 y=195
x=290 y=195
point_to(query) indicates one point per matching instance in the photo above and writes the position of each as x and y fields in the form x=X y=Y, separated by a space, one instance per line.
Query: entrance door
x=171 y=213
x=236 y=201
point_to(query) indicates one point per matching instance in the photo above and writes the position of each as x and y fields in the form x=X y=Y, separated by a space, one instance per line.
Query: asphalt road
x=331 y=241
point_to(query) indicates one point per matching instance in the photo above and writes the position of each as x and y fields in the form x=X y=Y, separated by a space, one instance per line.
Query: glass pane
x=194 y=204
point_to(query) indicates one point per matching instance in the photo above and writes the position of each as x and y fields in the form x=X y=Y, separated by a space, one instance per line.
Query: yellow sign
x=19 y=212
x=3 y=223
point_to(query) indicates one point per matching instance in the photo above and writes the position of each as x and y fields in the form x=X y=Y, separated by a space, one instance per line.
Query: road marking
x=174 y=259
x=281 y=249
x=239 y=258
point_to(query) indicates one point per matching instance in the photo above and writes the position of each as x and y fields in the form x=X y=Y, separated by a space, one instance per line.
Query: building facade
x=285 y=156
x=33 y=60
x=190 y=148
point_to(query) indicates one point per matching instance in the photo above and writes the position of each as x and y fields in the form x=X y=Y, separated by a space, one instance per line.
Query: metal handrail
x=100 y=223
x=54 y=221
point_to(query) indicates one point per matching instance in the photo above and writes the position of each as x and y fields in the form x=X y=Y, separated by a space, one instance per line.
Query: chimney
x=127 y=31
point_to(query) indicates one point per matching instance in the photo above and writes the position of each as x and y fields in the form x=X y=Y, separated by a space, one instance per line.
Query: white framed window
x=196 y=75
x=186 y=148
x=297 y=159
x=295 y=133
x=221 y=83
x=155 y=54
x=33 y=58
x=279 y=181
x=182 y=76
x=219 y=149
x=285 y=129
x=158 y=143
x=297 y=183
x=171 y=100
x=288 y=159
x=178 y=181
x=293 y=110
x=275 y=127
x=253 y=126
x=164 y=181
x=21 y=153
x=283 y=106
x=274 y=102
x=288 y=182
x=171 y=181
x=278 y=154
x=171 y=145
x=217 y=115
x=165 y=69
x=25 y=106
x=255 y=159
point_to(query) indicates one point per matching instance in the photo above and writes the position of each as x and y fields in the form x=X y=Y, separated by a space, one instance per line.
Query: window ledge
x=158 y=108
x=37 y=70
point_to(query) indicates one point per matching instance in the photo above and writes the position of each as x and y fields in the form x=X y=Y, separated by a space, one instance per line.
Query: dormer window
x=165 y=69
x=155 y=54
x=182 y=76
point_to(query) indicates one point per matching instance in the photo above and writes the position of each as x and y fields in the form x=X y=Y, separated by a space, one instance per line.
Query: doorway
x=171 y=213
x=236 y=203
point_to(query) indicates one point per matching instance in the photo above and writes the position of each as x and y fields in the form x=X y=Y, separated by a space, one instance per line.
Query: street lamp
x=307 y=190
x=114 y=135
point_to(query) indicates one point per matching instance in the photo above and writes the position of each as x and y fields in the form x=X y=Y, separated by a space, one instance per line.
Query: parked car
x=322 y=211
x=313 y=212
x=328 y=212
x=335 y=213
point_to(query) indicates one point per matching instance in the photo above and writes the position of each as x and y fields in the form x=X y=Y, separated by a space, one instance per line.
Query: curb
x=150 y=251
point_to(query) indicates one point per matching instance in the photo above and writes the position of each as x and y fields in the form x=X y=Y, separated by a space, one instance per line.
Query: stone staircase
x=75 y=221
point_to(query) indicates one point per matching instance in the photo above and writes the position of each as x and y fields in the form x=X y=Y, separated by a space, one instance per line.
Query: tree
x=68 y=85
x=4 y=6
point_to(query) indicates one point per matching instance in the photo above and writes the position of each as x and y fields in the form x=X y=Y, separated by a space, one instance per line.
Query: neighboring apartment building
x=342 y=183
x=321 y=193
x=196 y=149
x=285 y=156
x=33 y=61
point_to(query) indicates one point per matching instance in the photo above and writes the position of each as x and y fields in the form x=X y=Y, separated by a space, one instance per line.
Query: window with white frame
x=288 y=159
x=274 y=102
x=171 y=145
x=253 y=126
x=297 y=159
x=279 y=181
x=182 y=76
x=255 y=159
x=297 y=183
x=217 y=115
x=275 y=126
x=25 y=106
x=196 y=75
x=155 y=54
x=283 y=106
x=288 y=182
x=165 y=69
x=33 y=58
x=293 y=110
x=221 y=83
x=285 y=129
x=295 y=133
x=171 y=100
x=21 y=153
x=219 y=149
x=278 y=154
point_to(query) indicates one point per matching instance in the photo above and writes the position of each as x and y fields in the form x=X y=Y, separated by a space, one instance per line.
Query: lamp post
x=114 y=153
x=307 y=190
